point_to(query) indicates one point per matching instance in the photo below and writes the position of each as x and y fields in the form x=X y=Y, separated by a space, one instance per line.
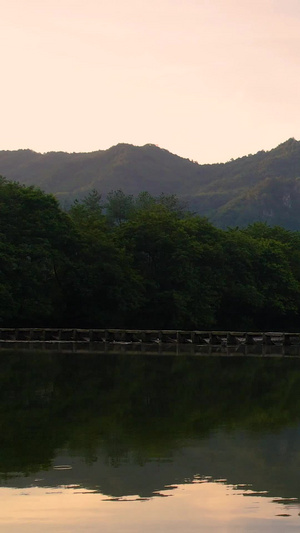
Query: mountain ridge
x=262 y=186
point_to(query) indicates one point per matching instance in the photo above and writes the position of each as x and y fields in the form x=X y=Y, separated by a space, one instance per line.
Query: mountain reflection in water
x=133 y=426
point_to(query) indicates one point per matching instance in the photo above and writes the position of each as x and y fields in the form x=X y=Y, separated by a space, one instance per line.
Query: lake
x=155 y=444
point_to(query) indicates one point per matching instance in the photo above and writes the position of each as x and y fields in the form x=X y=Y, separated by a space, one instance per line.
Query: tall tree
x=35 y=236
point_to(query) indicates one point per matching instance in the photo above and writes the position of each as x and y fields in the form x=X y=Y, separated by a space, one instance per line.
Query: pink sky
x=206 y=79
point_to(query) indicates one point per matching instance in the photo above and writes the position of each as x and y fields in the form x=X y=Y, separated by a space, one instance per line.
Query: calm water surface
x=153 y=444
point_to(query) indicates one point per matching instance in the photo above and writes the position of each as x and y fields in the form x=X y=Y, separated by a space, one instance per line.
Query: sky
x=209 y=80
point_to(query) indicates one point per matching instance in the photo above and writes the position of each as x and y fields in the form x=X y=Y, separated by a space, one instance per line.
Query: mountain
x=264 y=186
x=127 y=167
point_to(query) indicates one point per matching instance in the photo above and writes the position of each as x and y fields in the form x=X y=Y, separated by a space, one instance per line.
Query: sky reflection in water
x=200 y=506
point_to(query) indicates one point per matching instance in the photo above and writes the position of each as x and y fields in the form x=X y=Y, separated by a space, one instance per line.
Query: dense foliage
x=140 y=262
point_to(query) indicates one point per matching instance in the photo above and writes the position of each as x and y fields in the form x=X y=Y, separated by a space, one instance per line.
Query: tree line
x=140 y=262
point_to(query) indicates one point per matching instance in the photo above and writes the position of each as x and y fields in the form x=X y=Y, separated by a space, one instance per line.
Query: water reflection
x=194 y=507
x=237 y=459
x=138 y=429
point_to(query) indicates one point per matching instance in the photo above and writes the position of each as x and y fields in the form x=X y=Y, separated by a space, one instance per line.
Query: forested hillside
x=262 y=187
x=140 y=262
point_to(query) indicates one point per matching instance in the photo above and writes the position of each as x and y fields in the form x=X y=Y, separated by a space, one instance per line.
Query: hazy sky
x=206 y=79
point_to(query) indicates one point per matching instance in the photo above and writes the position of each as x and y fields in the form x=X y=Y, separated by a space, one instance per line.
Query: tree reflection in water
x=133 y=425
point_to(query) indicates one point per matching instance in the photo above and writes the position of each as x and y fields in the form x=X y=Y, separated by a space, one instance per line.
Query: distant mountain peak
x=233 y=193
